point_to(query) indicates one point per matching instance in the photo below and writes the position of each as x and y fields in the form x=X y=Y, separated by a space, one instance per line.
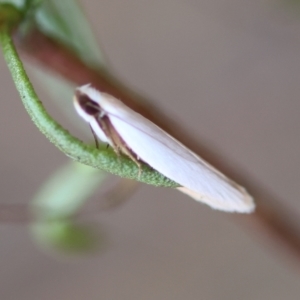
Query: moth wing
x=169 y=157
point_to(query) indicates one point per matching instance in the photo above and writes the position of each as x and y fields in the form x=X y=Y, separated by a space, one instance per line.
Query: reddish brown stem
x=268 y=221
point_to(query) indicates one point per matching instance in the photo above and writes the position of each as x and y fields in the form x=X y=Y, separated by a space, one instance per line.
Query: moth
x=130 y=133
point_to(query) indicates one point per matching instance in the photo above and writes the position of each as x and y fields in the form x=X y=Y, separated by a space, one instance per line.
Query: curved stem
x=104 y=159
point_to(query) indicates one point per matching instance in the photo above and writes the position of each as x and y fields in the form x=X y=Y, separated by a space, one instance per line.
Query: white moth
x=140 y=139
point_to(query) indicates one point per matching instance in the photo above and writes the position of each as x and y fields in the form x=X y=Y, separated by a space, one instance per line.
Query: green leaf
x=65 y=21
x=16 y=3
x=66 y=237
x=56 y=18
x=58 y=200
x=64 y=193
x=10 y=15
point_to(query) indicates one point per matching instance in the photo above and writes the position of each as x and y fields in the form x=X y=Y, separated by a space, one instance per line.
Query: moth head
x=86 y=106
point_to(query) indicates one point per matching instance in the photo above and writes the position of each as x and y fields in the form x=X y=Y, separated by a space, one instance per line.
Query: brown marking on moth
x=87 y=104
x=118 y=143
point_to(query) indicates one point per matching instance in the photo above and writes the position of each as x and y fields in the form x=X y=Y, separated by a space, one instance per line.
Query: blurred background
x=228 y=72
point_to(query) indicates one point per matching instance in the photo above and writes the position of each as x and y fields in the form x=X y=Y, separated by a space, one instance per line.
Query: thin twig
x=269 y=219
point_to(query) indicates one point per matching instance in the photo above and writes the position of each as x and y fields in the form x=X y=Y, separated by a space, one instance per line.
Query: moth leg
x=133 y=157
x=116 y=149
x=137 y=163
x=95 y=137
x=140 y=172
x=140 y=168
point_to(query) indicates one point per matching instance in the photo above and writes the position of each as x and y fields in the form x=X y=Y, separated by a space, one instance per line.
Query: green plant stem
x=104 y=159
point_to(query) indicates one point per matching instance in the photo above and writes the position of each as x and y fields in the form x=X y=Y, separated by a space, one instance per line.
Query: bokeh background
x=228 y=71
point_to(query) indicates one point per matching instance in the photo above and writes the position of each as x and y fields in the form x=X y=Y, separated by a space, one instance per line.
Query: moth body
x=137 y=137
